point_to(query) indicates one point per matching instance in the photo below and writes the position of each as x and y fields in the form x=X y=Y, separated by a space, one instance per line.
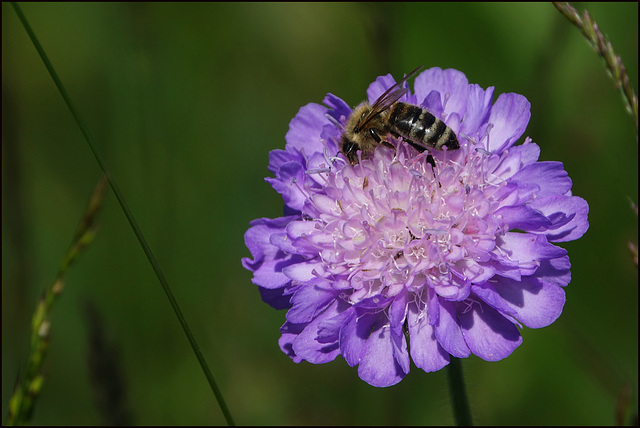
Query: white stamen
x=334 y=121
x=317 y=170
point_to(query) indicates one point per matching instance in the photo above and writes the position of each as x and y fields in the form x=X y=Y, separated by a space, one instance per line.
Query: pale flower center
x=399 y=223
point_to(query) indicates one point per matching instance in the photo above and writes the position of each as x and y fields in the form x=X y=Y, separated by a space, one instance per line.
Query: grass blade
x=28 y=388
x=127 y=213
x=604 y=49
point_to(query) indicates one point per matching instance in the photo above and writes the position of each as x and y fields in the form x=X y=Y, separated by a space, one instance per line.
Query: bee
x=368 y=125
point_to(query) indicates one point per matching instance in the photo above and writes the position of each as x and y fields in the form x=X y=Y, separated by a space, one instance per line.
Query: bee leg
x=431 y=161
x=388 y=144
x=391 y=146
x=415 y=146
x=375 y=135
x=379 y=140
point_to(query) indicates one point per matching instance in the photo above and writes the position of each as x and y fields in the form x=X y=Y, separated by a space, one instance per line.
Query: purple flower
x=402 y=255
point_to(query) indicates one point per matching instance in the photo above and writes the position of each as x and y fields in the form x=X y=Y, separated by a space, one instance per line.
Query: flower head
x=415 y=255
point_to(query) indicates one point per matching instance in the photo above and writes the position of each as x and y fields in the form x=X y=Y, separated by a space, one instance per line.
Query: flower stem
x=459 y=401
x=127 y=212
x=603 y=47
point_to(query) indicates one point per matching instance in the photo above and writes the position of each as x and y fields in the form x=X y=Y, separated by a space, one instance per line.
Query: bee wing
x=387 y=99
x=390 y=96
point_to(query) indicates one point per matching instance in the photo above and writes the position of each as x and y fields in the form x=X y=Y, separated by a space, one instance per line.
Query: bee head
x=362 y=119
x=350 y=150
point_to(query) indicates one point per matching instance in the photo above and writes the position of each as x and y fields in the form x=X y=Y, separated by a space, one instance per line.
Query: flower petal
x=488 y=334
x=527 y=250
x=338 y=109
x=305 y=129
x=270 y=273
x=308 y=301
x=353 y=338
x=379 y=87
x=283 y=242
x=398 y=311
x=289 y=169
x=530 y=152
x=555 y=271
x=257 y=238
x=447 y=331
x=568 y=215
x=303 y=272
x=306 y=345
x=426 y=352
x=378 y=366
x=509 y=116
x=452 y=86
x=329 y=329
x=477 y=111
x=278 y=298
x=288 y=333
x=524 y=218
x=549 y=176
x=268 y=261
x=535 y=303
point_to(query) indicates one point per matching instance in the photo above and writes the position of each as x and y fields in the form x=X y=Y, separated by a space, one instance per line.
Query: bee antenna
x=328 y=158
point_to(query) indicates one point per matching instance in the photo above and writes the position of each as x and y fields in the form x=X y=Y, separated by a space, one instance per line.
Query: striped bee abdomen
x=421 y=127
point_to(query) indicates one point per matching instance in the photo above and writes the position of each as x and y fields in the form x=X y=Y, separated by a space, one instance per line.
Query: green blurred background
x=186 y=100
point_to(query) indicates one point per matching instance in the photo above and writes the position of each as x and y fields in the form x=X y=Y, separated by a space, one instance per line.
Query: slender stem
x=28 y=387
x=459 y=401
x=603 y=47
x=128 y=214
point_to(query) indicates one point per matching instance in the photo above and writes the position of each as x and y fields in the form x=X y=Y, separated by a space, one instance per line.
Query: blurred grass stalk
x=602 y=46
x=633 y=247
x=617 y=71
x=27 y=389
x=128 y=214
x=615 y=68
